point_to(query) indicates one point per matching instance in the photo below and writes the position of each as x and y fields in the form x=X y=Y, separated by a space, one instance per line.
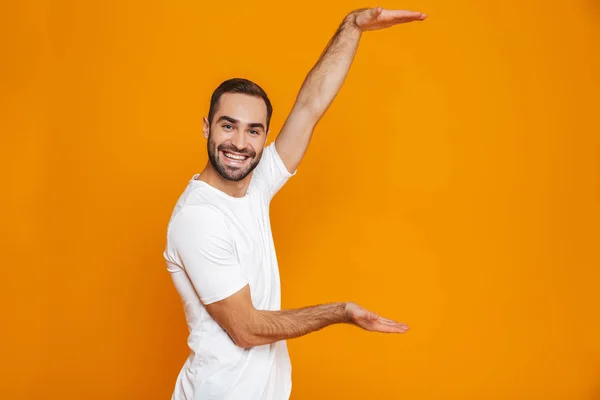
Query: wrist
x=349 y=22
x=344 y=314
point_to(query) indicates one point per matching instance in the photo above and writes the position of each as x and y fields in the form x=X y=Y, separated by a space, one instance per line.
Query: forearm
x=325 y=79
x=271 y=326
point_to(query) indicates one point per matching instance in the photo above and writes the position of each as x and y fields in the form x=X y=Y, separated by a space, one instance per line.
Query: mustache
x=232 y=149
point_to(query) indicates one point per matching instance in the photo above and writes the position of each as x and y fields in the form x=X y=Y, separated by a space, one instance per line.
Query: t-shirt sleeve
x=204 y=246
x=270 y=173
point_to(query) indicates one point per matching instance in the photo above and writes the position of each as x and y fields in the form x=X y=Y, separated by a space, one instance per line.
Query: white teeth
x=234 y=156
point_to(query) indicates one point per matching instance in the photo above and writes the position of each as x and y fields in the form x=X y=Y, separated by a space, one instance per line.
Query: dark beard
x=225 y=171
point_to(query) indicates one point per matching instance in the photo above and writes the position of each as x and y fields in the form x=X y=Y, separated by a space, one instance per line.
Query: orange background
x=453 y=185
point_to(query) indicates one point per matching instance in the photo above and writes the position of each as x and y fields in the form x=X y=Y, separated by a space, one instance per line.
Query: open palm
x=370 y=19
x=370 y=321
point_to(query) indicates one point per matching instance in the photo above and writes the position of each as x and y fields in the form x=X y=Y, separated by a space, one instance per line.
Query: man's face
x=237 y=135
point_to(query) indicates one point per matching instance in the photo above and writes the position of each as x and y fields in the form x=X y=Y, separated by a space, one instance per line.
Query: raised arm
x=249 y=327
x=325 y=79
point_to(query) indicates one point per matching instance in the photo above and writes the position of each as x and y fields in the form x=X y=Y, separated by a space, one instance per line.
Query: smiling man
x=220 y=250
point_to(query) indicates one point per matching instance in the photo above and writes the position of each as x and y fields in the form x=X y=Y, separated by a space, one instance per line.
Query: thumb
x=371 y=316
x=376 y=12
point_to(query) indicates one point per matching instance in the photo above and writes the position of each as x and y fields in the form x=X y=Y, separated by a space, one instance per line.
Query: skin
x=236 y=129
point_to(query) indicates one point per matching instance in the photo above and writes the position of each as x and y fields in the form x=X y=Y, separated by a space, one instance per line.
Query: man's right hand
x=370 y=321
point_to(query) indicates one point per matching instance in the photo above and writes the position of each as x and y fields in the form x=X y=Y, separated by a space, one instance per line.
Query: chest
x=253 y=242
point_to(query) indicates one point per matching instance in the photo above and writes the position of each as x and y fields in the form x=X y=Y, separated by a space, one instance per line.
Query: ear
x=205 y=127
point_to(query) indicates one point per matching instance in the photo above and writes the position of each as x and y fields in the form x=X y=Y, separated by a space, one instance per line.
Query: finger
x=410 y=18
x=404 y=15
x=387 y=328
x=391 y=322
x=387 y=321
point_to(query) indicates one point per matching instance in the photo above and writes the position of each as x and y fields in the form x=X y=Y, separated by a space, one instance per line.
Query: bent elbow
x=243 y=340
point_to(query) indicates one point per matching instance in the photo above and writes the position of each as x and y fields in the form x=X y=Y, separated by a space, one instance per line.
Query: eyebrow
x=235 y=121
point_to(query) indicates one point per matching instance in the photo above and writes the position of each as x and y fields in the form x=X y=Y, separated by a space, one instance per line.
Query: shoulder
x=266 y=157
x=271 y=171
x=270 y=154
x=199 y=219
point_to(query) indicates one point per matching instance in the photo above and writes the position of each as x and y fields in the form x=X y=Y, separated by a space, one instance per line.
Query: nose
x=239 y=139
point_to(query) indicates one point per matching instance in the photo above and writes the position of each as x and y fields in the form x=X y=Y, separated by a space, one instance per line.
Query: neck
x=234 y=189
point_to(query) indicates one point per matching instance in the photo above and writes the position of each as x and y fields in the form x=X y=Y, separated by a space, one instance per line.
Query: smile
x=235 y=158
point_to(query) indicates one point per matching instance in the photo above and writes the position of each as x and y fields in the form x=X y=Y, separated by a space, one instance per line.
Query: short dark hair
x=238 y=85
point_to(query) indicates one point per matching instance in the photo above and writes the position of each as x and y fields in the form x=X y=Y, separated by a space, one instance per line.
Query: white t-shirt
x=217 y=244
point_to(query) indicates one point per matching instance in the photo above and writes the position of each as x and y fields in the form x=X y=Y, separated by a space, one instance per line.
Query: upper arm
x=205 y=248
x=292 y=142
x=271 y=173
x=234 y=314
